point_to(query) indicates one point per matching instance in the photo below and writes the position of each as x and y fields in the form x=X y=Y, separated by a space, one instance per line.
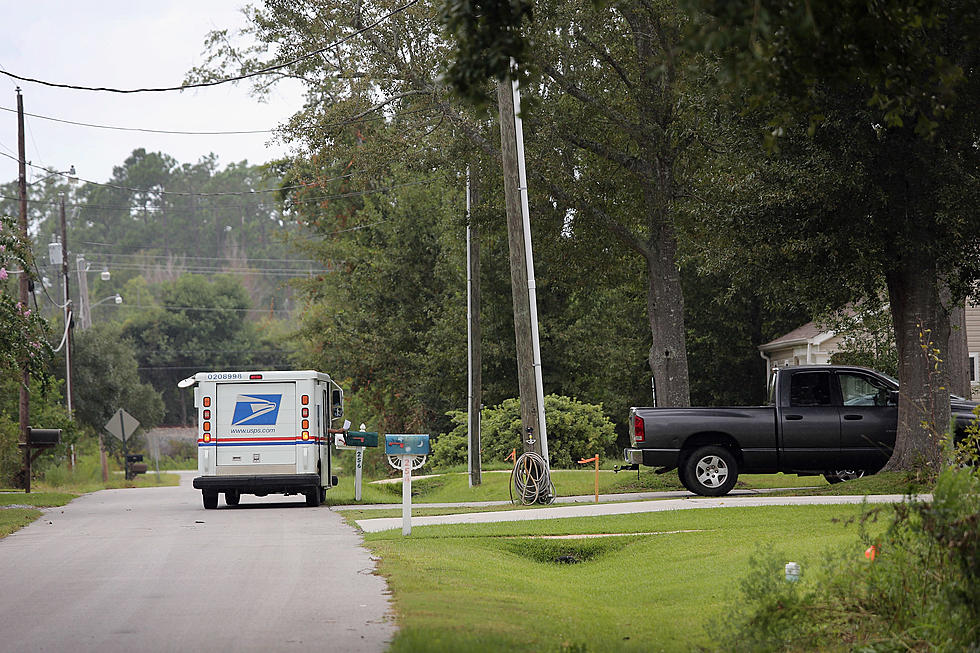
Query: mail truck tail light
x=207 y=402
x=306 y=435
x=638 y=434
x=207 y=414
x=255 y=377
x=306 y=423
x=305 y=400
x=207 y=426
x=306 y=412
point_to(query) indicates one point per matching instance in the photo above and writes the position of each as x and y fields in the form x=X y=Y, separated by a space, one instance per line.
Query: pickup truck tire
x=210 y=499
x=841 y=475
x=232 y=497
x=710 y=471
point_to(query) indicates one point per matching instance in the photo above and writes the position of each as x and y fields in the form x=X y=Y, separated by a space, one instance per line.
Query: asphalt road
x=151 y=570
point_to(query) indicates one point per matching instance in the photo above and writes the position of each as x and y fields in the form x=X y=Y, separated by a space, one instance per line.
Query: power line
x=196 y=133
x=150 y=191
x=205 y=309
x=309 y=200
x=195 y=258
x=262 y=71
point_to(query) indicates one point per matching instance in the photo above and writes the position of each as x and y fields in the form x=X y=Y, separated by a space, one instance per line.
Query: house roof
x=809 y=332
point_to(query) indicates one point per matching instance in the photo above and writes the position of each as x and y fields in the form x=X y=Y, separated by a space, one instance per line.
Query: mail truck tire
x=210 y=499
x=710 y=471
x=232 y=497
x=313 y=497
x=323 y=494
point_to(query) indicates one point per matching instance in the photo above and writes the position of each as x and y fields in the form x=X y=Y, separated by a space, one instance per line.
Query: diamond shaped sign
x=122 y=424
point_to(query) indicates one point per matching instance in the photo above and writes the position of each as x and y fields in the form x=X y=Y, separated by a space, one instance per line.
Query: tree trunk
x=665 y=311
x=958 y=356
x=922 y=336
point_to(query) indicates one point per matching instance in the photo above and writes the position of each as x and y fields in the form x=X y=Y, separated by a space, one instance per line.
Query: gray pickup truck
x=822 y=419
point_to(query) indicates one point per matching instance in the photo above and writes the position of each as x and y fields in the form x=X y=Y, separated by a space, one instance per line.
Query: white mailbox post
x=407 y=452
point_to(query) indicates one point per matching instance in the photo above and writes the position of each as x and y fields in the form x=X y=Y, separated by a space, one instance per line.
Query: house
x=813 y=345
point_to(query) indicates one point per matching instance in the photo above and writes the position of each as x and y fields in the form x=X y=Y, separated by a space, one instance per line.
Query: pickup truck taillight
x=638 y=434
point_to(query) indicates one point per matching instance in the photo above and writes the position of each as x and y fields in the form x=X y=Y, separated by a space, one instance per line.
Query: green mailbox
x=361 y=439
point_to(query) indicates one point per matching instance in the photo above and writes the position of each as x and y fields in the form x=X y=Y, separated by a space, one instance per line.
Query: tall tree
x=615 y=73
x=870 y=108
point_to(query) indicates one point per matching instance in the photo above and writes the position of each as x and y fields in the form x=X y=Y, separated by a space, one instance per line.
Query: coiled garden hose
x=530 y=480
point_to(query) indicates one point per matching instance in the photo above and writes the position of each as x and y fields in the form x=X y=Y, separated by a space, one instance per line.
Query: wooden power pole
x=25 y=377
x=518 y=271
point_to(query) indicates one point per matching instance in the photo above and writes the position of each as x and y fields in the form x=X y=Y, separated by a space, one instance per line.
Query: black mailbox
x=134 y=458
x=138 y=468
x=43 y=437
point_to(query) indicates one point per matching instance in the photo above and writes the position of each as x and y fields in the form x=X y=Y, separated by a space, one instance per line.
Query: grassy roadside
x=13 y=519
x=492 y=587
x=454 y=486
x=46 y=495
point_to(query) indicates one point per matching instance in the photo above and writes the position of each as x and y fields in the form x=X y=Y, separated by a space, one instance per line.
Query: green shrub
x=576 y=430
x=920 y=592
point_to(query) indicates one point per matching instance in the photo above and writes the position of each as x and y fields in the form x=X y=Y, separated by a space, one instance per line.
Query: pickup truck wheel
x=710 y=471
x=210 y=499
x=232 y=497
x=841 y=475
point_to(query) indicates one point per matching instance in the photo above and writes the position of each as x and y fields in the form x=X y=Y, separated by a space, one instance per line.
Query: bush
x=576 y=430
x=920 y=592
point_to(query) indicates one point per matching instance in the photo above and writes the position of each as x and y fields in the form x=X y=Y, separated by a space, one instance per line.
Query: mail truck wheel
x=313 y=497
x=210 y=499
x=232 y=497
x=710 y=471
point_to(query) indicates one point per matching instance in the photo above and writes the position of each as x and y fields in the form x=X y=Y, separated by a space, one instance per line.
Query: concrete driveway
x=690 y=502
x=151 y=570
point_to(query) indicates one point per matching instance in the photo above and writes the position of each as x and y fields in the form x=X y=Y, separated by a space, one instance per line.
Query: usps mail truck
x=265 y=433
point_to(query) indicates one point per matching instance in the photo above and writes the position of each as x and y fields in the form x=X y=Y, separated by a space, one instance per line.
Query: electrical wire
x=256 y=73
x=153 y=191
x=309 y=200
x=531 y=480
x=178 y=132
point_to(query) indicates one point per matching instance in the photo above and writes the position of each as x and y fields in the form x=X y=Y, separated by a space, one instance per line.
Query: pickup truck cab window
x=810 y=389
x=861 y=390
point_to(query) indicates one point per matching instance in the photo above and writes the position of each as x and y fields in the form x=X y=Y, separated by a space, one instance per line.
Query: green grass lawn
x=490 y=587
x=13 y=519
x=454 y=486
x=116 y=481
x=36 y=499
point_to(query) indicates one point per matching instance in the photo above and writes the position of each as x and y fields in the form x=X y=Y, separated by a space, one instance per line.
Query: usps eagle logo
x=256 y=410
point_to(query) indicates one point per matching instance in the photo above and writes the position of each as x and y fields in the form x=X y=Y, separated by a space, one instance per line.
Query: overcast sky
x=124 y=44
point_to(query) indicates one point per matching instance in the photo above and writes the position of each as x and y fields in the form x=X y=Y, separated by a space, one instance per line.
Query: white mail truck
x=265 y=433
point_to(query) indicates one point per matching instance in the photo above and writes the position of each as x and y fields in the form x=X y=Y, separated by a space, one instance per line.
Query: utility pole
x=474 y=357
x=521 y=275
x=68 y=311
x=25 y=377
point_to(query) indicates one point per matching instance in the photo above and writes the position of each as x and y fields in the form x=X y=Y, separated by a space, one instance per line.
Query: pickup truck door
x=869 y=419
x=809 y=423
